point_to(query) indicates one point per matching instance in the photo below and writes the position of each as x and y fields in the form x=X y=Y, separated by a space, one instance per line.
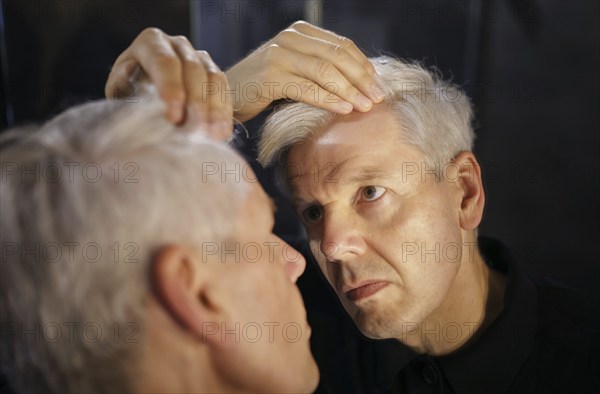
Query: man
x=391 y=200
x=391 y=197
x=133 y=260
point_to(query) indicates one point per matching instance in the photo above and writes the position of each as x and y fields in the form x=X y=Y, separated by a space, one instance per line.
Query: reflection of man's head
x=390 y=198
x=133 y=260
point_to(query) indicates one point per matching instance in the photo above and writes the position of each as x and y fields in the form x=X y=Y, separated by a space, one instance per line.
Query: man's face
x=385 y=238
x=271 y=352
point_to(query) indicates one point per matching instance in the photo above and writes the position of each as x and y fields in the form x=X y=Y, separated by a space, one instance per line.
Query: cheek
x=428 y=217
x=422 y=242
x=259 y=283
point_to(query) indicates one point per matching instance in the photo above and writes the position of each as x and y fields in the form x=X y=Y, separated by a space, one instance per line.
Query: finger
x=329 y=36
x=154 y=52
x=118 y=82
x=195 y=78
x=355 y=71
x=327 y=76
x=219 y=103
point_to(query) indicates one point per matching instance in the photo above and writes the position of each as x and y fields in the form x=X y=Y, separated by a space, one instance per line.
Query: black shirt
x=545 y=340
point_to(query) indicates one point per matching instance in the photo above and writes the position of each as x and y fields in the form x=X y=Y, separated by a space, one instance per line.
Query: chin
x=381 y=326
x=368 y=320
x=313 y=374
x=304 y=376
x=376 y=332
x=312 y=380
x=374 y=328
x=307 y=382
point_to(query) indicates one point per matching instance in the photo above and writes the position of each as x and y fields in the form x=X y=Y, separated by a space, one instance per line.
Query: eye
x=372 y=193
x=312 y=214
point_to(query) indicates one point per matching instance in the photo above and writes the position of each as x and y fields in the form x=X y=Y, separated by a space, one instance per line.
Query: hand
x=182 y=76
x=308 y=64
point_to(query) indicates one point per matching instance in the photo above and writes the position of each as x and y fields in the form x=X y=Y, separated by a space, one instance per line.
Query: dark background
x=531 y=68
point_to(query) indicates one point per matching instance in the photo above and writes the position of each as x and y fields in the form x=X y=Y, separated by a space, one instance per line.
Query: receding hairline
x=437 y=124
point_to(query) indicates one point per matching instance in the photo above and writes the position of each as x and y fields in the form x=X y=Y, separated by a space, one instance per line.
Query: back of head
x=434 y=115
x=86 y=199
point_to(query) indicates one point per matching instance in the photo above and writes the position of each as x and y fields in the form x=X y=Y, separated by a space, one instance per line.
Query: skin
x=331 y=72
x=181 y=75
x=196 y=295
x=369 y=220
x=463 y=292
x=265 y=293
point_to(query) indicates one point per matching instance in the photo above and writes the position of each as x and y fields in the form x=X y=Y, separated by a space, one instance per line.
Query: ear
x=181 y=282
x=468 y=180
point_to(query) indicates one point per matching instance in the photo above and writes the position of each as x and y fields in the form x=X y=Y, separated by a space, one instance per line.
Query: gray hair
x=435 y=116
x=86 y=200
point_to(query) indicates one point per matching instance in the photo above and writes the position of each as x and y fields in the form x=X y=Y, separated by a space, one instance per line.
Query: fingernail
x=377 y=92
x=364 y=102
x=345 y=107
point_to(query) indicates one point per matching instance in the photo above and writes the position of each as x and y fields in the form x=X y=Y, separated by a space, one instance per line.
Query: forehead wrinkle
x=368 y=173
x=330 y=167
x=325 y=190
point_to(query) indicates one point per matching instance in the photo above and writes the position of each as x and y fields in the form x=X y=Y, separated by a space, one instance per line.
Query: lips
x=363 y=289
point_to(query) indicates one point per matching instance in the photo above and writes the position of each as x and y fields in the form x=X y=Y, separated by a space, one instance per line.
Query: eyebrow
x=363 y=175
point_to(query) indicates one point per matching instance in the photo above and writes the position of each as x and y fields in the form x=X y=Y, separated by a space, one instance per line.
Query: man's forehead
x=350 y=135
x=356 y=148
x=360 y=127
x=356 y=169
x=351 y=162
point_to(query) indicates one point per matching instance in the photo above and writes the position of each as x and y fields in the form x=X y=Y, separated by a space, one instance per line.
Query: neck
x=473 y=303
x=173 y=360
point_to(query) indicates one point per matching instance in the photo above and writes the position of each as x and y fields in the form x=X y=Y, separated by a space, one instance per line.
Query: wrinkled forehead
x=361 y=128
x=359 y=145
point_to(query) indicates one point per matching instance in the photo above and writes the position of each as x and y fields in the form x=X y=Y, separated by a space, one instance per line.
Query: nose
x=294 y=263
x=341 y=236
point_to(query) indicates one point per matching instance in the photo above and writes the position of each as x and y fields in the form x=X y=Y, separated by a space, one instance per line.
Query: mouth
x=363 y=290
